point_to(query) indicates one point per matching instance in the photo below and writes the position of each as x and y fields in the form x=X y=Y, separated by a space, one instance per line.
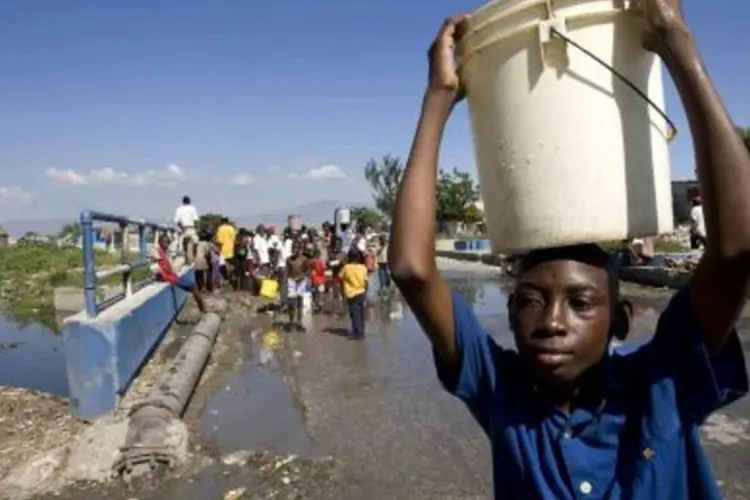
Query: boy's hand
x=443 y=75
x=664 y=20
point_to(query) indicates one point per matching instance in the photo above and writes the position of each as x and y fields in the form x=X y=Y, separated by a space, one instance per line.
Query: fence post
x=89 y=268
x=127 y=280
x=142 y=241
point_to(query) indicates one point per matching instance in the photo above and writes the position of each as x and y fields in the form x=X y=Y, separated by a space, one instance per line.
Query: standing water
x=32 y=356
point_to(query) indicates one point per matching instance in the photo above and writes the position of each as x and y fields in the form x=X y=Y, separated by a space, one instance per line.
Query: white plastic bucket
x=566 y=152
x=342 y=216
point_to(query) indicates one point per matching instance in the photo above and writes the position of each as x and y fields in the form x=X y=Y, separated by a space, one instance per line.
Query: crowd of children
x=327 y=264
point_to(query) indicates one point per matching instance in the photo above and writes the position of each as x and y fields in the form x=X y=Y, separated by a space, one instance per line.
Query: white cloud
x=169 y=176
x=325 y=172
x=15 y=195
x=238 y=179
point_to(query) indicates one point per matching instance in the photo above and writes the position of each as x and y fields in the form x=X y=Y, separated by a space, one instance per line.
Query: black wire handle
x=672 y=132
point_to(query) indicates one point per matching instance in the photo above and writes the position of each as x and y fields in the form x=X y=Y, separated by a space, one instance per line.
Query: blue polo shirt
x=641 y=442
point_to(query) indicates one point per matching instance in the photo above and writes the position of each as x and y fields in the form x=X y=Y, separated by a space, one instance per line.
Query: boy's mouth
x=552 y=358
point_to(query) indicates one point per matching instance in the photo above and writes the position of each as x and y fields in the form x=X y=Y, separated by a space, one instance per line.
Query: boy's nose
x=553 y=321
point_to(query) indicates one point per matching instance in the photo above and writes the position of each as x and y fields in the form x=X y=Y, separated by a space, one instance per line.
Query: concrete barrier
x=654 y=276
x=104 y=353
x=657 y=277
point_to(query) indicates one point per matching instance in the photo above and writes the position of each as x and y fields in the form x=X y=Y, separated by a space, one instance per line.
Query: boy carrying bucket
x=568 y=418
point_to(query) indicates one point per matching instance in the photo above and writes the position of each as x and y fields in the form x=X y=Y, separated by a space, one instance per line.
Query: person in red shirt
x=166 y=273
x=318 y=278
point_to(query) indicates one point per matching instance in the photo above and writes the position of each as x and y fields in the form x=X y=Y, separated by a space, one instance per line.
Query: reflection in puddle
x=32 y=356
x=258 y=398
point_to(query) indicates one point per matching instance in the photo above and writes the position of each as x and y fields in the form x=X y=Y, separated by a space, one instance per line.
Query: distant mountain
x=18 y=227
x=311 y=213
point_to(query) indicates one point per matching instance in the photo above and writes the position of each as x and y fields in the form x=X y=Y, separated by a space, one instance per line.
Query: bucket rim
x=488 y=14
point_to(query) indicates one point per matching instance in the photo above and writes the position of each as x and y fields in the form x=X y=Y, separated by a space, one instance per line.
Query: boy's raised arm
x=412 y=246
x=719 y=285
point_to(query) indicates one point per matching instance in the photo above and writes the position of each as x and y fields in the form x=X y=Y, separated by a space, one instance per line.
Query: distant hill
x=312 y=214
x=18 y=227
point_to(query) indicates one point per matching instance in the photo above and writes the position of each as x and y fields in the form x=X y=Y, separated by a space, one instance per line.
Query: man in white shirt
x=260 y=246
x=697 y=225
x=186 y=218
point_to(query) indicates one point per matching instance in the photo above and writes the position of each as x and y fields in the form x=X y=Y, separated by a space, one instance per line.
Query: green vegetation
x=457 y=192
x=31 y=271
x=368 y=217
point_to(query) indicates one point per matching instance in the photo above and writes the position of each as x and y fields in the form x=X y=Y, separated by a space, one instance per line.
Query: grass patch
x=31 y=272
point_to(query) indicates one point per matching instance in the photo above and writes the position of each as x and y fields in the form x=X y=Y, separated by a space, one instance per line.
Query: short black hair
x=186 y=200
x=587 y=253
x=355 y=255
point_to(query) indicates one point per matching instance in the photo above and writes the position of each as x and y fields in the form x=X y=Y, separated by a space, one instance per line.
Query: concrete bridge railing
x=108 y=342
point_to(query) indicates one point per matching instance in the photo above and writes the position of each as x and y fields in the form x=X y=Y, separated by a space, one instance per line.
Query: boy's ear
x=622 y=320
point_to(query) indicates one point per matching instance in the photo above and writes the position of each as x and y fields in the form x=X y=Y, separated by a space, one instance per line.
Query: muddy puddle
x=256 y=409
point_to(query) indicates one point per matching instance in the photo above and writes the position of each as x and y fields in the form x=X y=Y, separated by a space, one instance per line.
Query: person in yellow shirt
x=354 y=285
x=225 y=236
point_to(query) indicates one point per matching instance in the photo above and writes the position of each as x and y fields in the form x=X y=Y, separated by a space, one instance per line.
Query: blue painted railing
x=91 y=275
x=106 y=346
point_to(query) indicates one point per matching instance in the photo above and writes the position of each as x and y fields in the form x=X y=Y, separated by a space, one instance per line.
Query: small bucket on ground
x=269 y=289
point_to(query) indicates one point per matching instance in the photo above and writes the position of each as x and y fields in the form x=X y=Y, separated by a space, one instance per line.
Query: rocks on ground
x=31 y=421
x=43 y=449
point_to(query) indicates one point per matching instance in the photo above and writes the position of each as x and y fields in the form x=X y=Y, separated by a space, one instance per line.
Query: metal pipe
x=120 y=269
x=112 y=271
x=117 y=219
x=89 y=273
x=145 y=445
x=178 y=383
x=142 y=241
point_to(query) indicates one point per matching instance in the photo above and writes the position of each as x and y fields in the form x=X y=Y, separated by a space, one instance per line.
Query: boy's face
x=560 y=315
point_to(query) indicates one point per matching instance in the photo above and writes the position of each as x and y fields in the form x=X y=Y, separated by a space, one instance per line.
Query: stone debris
x=32 y=422
x=234 y=494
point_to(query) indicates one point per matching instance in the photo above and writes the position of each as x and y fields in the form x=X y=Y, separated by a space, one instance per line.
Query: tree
x=473 y=214
x=745 y=134
x=384 y=178
x=457 y=194
x=71 y=231
x=367 y=217
x=210 y=221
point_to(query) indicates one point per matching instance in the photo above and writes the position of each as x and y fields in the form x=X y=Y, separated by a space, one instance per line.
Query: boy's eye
x=529 y=300
x=581 y=303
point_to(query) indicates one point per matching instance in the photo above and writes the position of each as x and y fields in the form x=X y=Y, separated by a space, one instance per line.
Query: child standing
x=317 y=278
x=202 y=256
x=215 y=266
x=354 y=282
x=384 y=276
x=566 y=416
x=241 y=252
x=296 y=286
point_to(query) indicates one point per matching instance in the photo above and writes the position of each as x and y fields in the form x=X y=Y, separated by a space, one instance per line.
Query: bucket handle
x=671 y=132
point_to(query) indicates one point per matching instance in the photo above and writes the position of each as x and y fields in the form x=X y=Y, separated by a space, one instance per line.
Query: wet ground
x=313 y=415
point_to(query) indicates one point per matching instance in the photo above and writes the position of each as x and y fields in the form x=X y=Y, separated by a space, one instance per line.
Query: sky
x=246 y=106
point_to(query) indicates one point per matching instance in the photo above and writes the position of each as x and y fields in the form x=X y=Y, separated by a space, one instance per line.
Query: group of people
x=327 y=262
